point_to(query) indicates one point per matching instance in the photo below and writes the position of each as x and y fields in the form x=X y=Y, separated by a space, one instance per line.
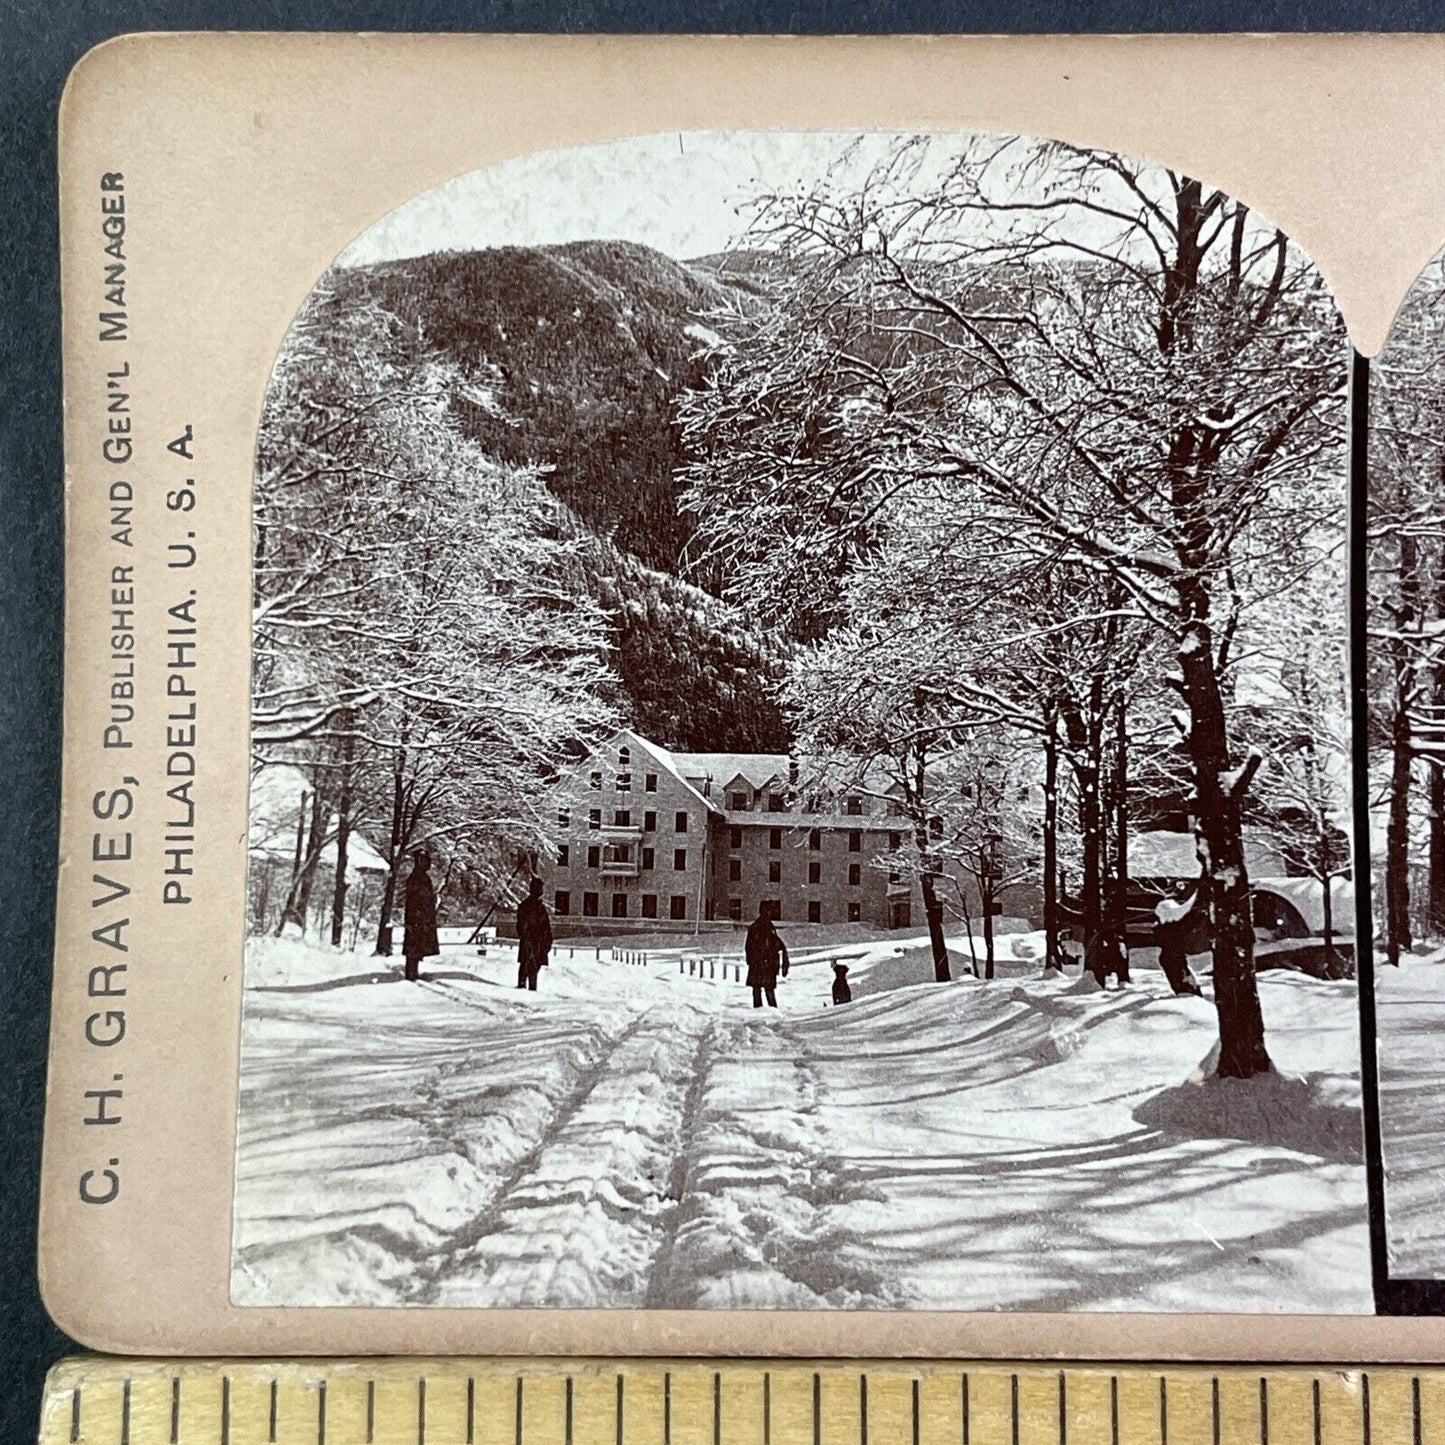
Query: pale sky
x=685 y=193
x=679 y=193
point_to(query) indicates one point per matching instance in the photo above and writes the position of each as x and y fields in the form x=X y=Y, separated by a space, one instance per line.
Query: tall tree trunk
x=316 y=841
x=393 y=856
x=1436 y=799
x=1397 y=828
x=933 y=912
x=1091 y=826
x=1052 y=959
x=1435 y=902
x=343 y=837
x=1218 y=794
x=288 y=910
x=1121 y=833
x=986 y=899
x=1397 y=832
x=928 y=869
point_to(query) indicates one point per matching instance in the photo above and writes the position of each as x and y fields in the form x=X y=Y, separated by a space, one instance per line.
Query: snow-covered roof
x=759 y=769
x=669 y=761
x=1162 y=854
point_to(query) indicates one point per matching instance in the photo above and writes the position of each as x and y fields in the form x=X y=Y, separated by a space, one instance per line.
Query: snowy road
x=630 y=1136
x=1410 y=1007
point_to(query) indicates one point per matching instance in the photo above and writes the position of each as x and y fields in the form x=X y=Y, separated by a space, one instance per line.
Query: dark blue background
x=38 y=45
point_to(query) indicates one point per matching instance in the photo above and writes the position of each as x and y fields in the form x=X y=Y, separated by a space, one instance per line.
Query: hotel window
x=895 y=841
x=649 y=783
x=678 y=906
x=895 y=808
x=589 y=905
x=855 y=875
x=679 y=823
x=595 y=780
x=855 y=912
x=561 y=901
x=624 y=782
x=594 y=856
x=622 y=818
x=739 y=803
x=772 y=907
x=735 y=909
x=594 y=817
x=564 y=855
x=735 y=870
x=648 y=857
x=775 y=837
x=735 y=837
x=776 y=803
x=815 y=839
x=624 y=757
x=649 y=821
x=679 y=859
x=815 y=872
x=855 y=841
x=564 y=817
x=617 y=853
x=775 y=871
x=619 y=905
x=853 y=806
x=894 y=879
x=815 y=911
x=649 y=905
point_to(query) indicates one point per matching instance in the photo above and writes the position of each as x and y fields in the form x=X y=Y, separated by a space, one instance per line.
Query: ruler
x=107 y=1401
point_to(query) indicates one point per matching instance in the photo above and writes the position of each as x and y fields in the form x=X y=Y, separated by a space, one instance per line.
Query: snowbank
x=629 y=1136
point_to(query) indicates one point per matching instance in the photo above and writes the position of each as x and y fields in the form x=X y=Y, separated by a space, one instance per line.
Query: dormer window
x=739 y=802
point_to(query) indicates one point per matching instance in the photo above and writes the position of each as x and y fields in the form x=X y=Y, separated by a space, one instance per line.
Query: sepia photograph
x=801 y=745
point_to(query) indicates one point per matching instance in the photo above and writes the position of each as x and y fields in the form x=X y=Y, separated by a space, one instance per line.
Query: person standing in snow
x=420 y=921
x=767 y=956
x=1174 y=922
x=534 y=936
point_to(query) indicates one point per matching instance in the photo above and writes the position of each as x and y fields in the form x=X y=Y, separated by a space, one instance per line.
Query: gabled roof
x=666 y=760
x=758 y=769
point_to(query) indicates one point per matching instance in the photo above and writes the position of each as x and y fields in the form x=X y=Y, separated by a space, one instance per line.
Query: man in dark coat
x=534 y=936
x=421 y=915
x=767 y=956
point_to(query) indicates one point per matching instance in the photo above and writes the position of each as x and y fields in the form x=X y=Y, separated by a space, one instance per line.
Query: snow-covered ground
x=1410 y=1015
x=635 y=1135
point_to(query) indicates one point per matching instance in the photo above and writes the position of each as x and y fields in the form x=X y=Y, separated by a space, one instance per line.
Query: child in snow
x=841 y=992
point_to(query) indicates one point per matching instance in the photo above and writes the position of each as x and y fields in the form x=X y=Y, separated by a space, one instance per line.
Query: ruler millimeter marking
x=105 y=1401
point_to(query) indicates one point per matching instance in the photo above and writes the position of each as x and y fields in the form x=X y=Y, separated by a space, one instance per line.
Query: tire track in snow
x=759 y=1224
x=660 y=1277
x=580 y=1218
x=456 y=1134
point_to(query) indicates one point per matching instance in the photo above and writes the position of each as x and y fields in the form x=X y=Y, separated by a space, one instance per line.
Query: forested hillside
x=573 y=357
